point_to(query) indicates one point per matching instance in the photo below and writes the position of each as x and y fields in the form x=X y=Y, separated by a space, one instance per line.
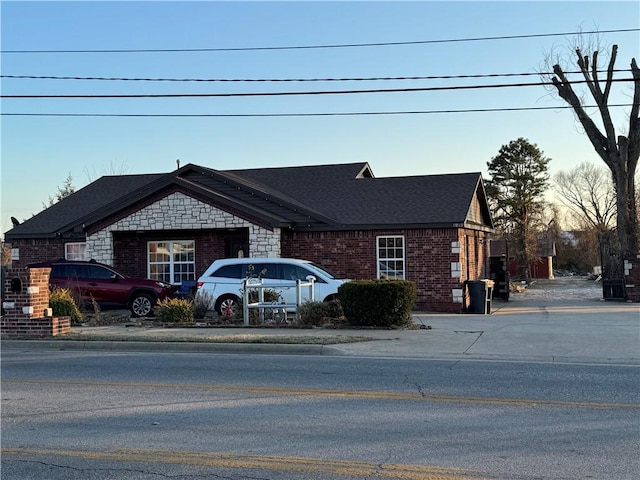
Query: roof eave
x=8 y=237
x=389 y=226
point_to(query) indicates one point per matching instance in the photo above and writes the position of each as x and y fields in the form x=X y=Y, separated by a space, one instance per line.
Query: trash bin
x=480 y=293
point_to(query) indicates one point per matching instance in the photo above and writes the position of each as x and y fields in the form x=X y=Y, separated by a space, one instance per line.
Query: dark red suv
x=93 y=281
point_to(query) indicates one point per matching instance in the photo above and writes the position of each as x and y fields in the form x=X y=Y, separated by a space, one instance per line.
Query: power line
x=344 y=45
x=274 y=94
x=328 y=114
x=346 y=79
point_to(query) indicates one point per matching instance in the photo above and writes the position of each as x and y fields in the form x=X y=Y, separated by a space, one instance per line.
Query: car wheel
x=142 y=304
x=227 y=306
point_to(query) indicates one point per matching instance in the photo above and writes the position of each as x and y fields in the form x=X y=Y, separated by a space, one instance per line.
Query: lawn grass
x=234 y=338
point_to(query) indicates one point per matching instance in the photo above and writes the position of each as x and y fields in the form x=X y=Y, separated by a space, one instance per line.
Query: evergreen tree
x=64 y=191
x=519 y=178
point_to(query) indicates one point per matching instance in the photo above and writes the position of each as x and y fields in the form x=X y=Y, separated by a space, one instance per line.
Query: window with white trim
x=75 y=251
x=172 y=261
x=391 y=261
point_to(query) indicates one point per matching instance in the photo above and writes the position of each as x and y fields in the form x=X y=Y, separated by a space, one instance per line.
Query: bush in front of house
x=175 y=311
x=63 y=304
x=378 y=303
x=202 y=303
x=321 y=313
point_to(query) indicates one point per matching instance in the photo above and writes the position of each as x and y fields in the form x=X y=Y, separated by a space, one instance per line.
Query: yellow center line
x=367 y=394
x=263 y=462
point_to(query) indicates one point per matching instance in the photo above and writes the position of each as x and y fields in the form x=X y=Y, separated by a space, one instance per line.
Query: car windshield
x=326 y=272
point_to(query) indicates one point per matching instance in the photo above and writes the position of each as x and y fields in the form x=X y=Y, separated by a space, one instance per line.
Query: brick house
x=432 y=229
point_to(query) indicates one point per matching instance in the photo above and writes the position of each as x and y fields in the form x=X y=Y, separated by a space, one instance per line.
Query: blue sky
x=38 y=153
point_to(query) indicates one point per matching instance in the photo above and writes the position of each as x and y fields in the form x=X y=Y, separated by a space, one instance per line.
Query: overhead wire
x=327 y=114
x=291 y=93
x=344 y=79
x=335 y=92
x=306 y=47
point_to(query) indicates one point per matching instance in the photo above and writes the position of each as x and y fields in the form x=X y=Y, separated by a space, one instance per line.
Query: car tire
x=142 y=304
x=227 y=305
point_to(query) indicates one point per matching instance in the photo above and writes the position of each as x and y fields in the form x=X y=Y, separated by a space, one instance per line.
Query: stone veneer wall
x=178 y=211
x=26 y=310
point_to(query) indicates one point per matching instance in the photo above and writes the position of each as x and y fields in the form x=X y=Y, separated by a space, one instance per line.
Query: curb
x=190 y=347
x=294 y=349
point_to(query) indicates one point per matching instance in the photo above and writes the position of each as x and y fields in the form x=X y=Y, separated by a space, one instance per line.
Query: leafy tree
x=515 y=191
x=64 y=191
x=619 y=152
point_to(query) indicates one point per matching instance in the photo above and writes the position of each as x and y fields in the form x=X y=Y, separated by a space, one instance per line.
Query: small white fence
x=279 y=308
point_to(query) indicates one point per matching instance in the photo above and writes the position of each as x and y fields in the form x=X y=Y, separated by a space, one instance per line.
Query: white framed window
x=75 y=251
x=391 y=261
x=172 y=261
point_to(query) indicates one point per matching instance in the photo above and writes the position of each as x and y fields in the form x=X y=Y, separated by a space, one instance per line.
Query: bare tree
x=588 y=192
x=620 y=153
x=5 y=254
x=111 y=169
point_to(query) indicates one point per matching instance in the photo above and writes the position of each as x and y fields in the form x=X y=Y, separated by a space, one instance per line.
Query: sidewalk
x=527 y=328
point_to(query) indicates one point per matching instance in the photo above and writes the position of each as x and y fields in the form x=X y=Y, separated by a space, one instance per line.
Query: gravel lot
x=561 y=289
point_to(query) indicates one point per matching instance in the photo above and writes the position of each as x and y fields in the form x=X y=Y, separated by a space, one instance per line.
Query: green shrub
x=320 y=313
x=378 y=303
x=202 y=303
x=63 y=304
x=175 y=310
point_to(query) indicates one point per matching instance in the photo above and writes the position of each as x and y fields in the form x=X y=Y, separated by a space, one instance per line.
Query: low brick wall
x=632 y=278
x=34 y=327
x=26 y=312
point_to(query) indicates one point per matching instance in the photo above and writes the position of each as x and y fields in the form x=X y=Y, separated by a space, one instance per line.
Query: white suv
x=223 y=279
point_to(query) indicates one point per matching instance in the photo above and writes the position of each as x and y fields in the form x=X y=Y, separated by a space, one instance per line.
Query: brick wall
x=37 y=250
x=44 y=327
x=434 y=259
x=131 y=248
x=26 y=305
x=632 y=278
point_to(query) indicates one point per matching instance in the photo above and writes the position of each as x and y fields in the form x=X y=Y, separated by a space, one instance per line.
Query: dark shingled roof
x=323 y=197
x=416 y=200
x=64 y=214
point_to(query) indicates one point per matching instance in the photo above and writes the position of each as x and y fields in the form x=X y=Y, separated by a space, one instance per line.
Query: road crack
x=477 y=332
x=139 y=471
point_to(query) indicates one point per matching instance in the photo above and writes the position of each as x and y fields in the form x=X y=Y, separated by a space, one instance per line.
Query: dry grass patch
x=237 y=338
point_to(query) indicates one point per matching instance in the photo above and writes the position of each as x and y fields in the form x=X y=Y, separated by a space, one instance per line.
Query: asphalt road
x=105 y=415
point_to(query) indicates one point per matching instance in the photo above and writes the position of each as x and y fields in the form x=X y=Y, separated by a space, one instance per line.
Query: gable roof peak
x=365 y=172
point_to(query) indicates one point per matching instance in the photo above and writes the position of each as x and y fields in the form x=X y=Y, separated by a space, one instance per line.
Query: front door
x=236 y=245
